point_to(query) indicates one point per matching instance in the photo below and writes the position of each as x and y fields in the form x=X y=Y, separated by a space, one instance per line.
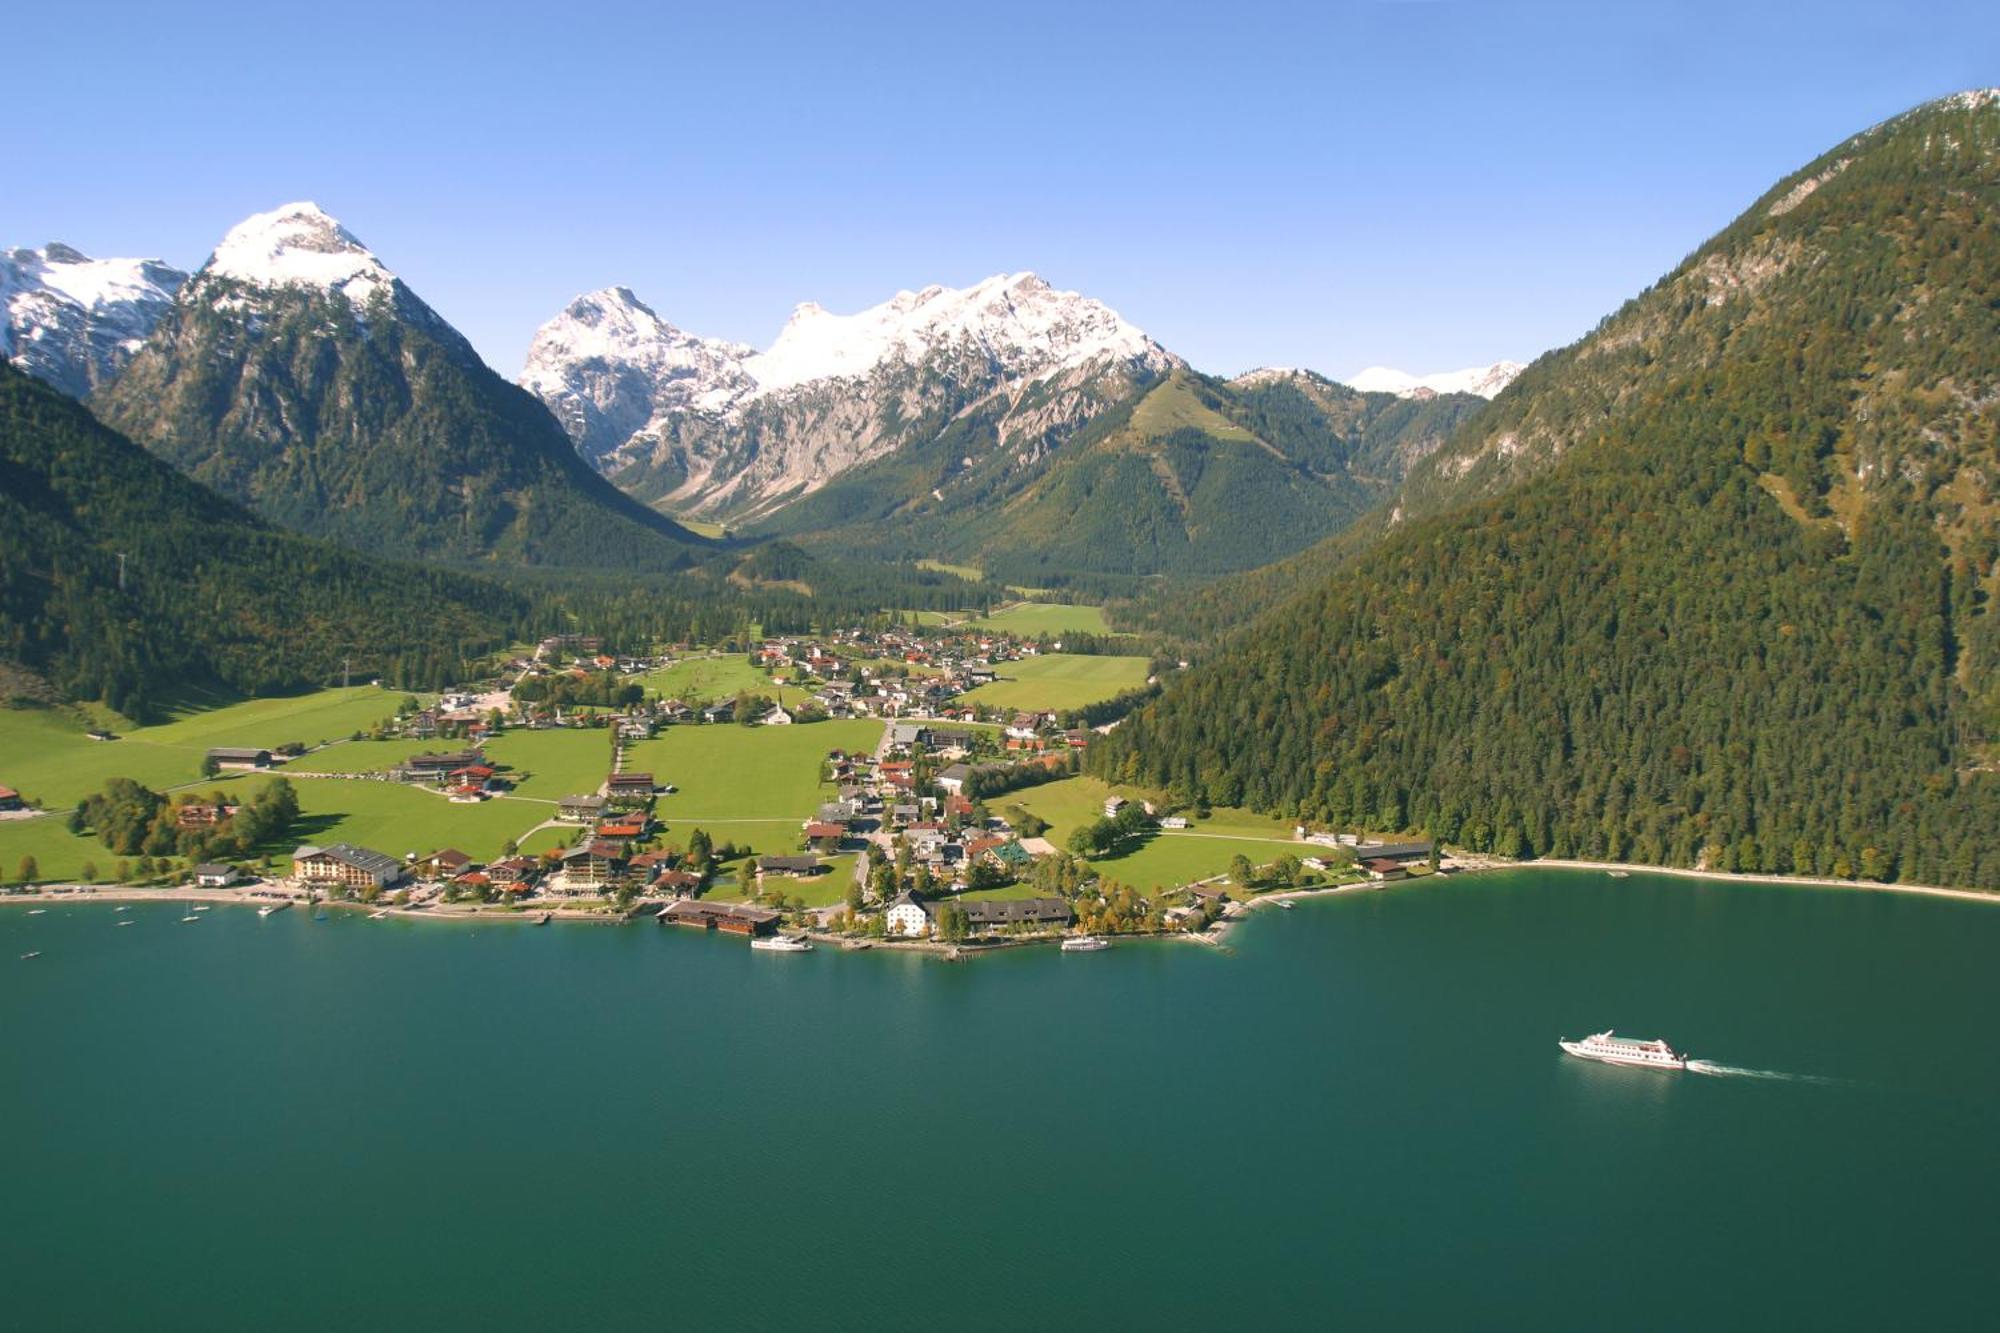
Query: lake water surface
x=1357 y=1117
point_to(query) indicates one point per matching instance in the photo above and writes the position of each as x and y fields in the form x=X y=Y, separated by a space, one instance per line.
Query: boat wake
x=1772 y=1075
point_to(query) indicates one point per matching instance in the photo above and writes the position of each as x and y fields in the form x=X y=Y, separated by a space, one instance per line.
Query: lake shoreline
x=1216 y=936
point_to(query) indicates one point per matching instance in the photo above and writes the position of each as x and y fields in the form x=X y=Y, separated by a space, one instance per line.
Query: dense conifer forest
x=1713 y=586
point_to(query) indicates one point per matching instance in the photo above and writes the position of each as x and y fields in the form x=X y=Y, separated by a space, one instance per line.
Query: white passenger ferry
x=1085 y=944
x=1626 y=1051
x=782 y=944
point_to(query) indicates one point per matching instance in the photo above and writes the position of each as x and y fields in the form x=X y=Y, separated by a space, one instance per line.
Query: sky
x=1419 y=185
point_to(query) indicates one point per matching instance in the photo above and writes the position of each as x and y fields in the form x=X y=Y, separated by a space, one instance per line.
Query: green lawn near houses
x=549 y=765
x=746 y=778
x=1060 y=681
x=699 y=680
x=1005 y=893
x=541 y=765
x=386 y=816
x=397 y=819
x=46 y=755
x=366 y=756
x=1032 y=619
x=1169 y=857
x=59 y=854
x=822 y=890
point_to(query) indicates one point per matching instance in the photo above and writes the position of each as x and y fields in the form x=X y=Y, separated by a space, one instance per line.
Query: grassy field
x=386 y=816
x=970 y=573
x=45 y=755
x=396 y=819
x=1029 y=619
x=747 y=785
x=713 y=679
x=1060 y=680
x=1169 y=857
x=549 y=765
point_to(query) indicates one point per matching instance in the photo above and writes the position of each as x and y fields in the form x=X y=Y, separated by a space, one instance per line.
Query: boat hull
x=1581 y=1052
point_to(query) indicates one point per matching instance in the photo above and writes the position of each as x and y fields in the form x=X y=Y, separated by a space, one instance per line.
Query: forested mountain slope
x=1191 y=476
x=1826 y=323
x=211 y=595
x=1729 y=596
x=297 y=374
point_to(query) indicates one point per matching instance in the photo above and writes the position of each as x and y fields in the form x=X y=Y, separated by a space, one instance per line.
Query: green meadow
x=1032 y=619
x=713 y=679
x=46 y=755
x=1060 y=681
x=1169 y=857
x=746 y=785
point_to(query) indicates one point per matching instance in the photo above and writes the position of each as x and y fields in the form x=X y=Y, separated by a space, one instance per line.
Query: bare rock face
x=73 y=321
x=703 y=426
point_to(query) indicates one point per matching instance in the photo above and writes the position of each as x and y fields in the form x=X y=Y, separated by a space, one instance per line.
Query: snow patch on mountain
x=299 y=245
x=75 y=321
x=1486 y=381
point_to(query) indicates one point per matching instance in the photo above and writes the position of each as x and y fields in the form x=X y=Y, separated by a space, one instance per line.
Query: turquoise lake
x=1356 y=1117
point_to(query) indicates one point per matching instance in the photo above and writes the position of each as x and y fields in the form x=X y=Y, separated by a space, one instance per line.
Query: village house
x=446 y=863
x=1383 y=868
x=907 y=917
x=214 y=875
x=10 y=799
x=583 y=809
x=993 y=915
x=625 y=787
x=734 y=918
x=676 y=883
x=229 y=756
x=436 y=768
x=591 y=864
x=722 y=712
x=200 y=814
x=345 y=866
x=790 y=865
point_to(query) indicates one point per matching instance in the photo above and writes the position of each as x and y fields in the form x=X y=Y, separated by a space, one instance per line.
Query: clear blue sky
x=1425 y=185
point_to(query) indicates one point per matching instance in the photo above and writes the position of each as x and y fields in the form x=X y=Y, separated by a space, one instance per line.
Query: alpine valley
x=1712 y=586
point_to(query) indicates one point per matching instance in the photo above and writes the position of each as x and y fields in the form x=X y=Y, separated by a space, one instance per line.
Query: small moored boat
x=1619 y=874
x=1287 y=904
x=38 y=911
x=1614 y=1050
x=782 y=944
x=189 y=917
x=1085 y=944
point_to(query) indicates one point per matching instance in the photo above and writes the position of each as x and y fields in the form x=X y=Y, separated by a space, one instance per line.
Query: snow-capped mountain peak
x=607 y=365
x=723 y=427
x=75 y=321
x=299 y=245
x=1486 y=381
x=1024 y=325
